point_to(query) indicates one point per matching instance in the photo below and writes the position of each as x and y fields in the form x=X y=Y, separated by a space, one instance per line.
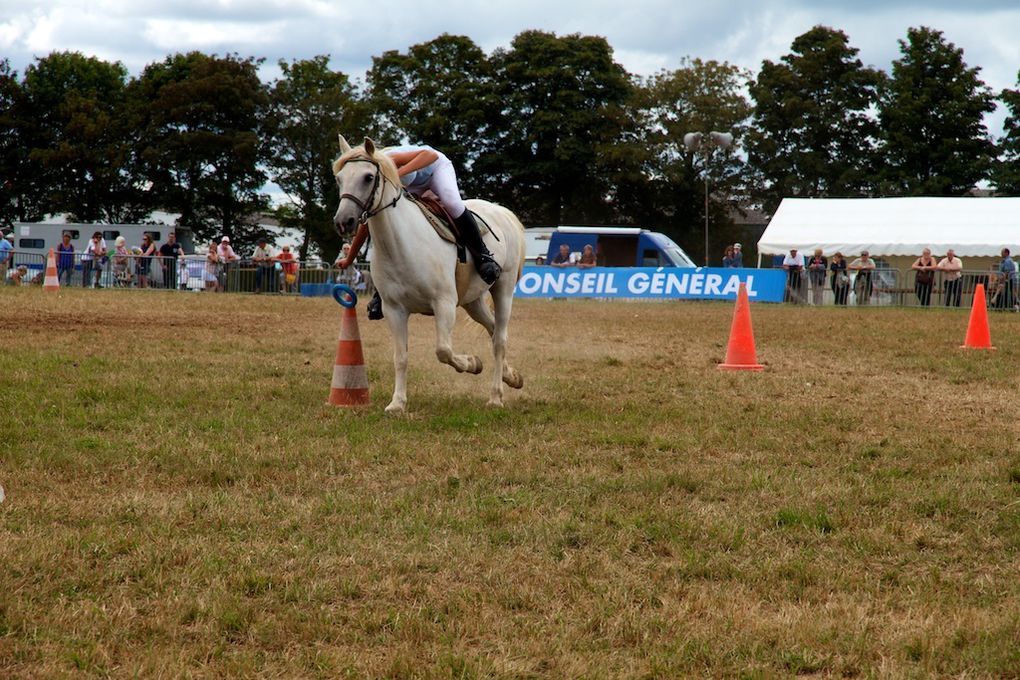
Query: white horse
x=417 y=272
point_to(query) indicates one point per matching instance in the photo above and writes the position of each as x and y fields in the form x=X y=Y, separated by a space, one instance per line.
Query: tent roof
x=973 y=227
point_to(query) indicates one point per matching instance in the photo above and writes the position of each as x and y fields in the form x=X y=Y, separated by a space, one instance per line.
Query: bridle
x=366 y=206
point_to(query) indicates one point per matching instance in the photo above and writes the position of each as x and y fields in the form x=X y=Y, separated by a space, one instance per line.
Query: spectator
x=211 y=275
x=562 y=258
x=924 y=280
x=817 y=267
x=18 y=277
x=182 y=272
x=540 y=261
x=794 y=266
x=6 y=252
x=289 y=267
x=727 y=258
x=587 y=260
x=864 y=266
x=952 y=273
x=93 y=260
x=169 y=252
x=840 y=279
x=65 y=259
x=227 y=260
x=121 y=257
x=1007 y=279
x=348 y=273
x=143 y=263
x=738 y=256
x=263 y=259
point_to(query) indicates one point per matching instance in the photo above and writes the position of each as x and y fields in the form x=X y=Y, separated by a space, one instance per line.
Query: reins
x=366 y=206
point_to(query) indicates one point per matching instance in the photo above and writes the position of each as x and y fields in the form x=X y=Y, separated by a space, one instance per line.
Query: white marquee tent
x=973 y=227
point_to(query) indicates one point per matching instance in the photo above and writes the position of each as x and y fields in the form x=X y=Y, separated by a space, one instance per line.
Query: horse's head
x=362 y=174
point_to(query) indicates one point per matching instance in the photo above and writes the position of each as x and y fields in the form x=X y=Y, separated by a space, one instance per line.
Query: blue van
x=619 y=247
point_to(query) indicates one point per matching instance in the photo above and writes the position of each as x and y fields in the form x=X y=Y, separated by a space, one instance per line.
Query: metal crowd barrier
x=888 y=287
x=188 y=273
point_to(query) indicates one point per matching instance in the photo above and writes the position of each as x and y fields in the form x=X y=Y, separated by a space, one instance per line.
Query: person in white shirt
x=794 y=266
x=864 y=266
x=263 y=259
x=952 y=273
x=227 y=258
x=93 y=260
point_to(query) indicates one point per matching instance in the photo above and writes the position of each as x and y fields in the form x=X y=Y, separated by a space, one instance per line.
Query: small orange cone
x=350 y=381
x=740 y=353
x=51 y=282
x=978 y=335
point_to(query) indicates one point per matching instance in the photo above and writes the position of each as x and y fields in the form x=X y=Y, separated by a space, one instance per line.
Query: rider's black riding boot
x=375 y=307
x=487 y=267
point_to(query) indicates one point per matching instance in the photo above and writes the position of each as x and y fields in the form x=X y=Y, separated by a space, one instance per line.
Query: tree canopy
x=552 y=126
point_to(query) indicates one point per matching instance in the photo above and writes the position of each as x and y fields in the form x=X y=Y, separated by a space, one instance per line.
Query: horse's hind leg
x=497 y=328
x=446 y=317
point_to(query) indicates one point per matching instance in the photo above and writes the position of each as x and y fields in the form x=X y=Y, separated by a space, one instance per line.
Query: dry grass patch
x=181 y=501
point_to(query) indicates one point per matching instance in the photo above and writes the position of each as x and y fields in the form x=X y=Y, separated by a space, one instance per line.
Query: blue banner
x=651 y=283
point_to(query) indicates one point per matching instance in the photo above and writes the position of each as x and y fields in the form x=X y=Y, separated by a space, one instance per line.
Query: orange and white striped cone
x=51 y=282
x=350 y=381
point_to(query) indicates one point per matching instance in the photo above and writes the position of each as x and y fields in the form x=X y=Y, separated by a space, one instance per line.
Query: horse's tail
x=521 y=246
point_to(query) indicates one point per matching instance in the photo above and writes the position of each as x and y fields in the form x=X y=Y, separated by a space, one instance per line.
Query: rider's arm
x=409 y=161
x=359 y=240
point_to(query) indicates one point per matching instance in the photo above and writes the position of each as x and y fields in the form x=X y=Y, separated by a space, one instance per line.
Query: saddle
x=438 y=217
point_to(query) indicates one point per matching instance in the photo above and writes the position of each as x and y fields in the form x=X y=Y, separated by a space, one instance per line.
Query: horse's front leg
x=446 y=317
x=398 y=328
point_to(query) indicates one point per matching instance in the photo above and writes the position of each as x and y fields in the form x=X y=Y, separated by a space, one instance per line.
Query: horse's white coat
x=414 y=269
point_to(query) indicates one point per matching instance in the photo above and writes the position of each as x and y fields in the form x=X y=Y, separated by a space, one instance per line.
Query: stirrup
x=489 y=269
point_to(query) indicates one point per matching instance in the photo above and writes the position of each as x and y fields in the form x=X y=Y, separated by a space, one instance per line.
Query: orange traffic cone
x=350 y=381
x=51 y=282
x=978 y=335
x=740 y=354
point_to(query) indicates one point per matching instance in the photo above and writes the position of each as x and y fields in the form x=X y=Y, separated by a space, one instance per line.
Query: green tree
x=813 y=134
x=20 y=180
x=200 y=120
x=1006 y=173
x=310 y=104
x=438 y=93
x=562 y=105
x=80 y=138
x=662 y=186
x=934 y=139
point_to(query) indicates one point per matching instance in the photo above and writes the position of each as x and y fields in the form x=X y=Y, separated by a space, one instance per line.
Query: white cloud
x=175 y=35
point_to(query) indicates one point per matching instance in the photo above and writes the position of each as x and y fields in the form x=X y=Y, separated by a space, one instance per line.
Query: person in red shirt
x=289 y=265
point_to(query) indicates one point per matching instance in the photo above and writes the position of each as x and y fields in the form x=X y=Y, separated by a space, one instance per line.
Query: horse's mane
x=386 y=164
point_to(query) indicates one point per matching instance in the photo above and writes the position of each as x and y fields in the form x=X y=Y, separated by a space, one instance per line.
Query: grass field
x=180 y=501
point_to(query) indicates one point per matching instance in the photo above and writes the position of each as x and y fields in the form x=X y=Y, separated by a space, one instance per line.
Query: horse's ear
x=369 y=146
x=344 y=146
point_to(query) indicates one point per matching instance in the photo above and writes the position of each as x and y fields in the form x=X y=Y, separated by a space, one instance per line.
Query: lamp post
x=705 y=143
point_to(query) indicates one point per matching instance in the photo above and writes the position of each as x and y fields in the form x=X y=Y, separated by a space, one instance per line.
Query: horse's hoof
x=514 y=379
x=494 y=403
x=476 y=366
x=395 y=408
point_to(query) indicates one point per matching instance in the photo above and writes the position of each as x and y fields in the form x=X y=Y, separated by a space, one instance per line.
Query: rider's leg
x=375 y=307
x=444 y=185
x=470 y=236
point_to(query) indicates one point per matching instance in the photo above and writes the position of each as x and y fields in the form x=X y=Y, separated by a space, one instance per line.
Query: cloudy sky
x=647 y=35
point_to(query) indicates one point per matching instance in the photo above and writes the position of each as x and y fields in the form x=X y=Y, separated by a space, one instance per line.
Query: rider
x=421 y=168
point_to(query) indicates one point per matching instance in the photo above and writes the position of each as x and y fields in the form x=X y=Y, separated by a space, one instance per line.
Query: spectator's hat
x=10 y=236
x=736 y=245
x=225 y=239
